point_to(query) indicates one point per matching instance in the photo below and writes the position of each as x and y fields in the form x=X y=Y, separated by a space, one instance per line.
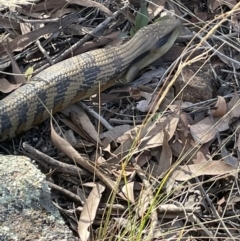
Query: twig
x=200 y=224
x=216 y=51
x=65 y=192
x=44 y=52
x=62 y=167
x=166 y=208
x=118 y=121
x=95 y=115
x=213 y=37
x=208 y=102
x=213 y=209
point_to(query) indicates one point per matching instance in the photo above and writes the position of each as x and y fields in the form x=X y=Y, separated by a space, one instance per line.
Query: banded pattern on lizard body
x=76 y=78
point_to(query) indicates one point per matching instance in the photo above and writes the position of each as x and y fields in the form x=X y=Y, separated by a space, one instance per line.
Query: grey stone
x=26 y=209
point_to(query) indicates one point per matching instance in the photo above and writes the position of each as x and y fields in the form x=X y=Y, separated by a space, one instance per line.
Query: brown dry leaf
x=199 y=158
x=143 y=158
x=233 y=106
x=22 y=41
x=167 y=100
x=186 y=119
x=145 y=199
x=128 y=173
x=25 y=27
x=112 y=135
x=89 y=184
x=203 y=15
x=122 y=223
x=222 y=58
x=19 y=78
x=116 y=132
x=146 y=95
x=121 y=152
x=10 y=23
x=238 y=142
x=152 y=134
x=187 y=150
x=229 y=158
x=235 y=23
x=75 y=128
x=81 y=119
x=66 y=148
x=204 y=131
x=146 y=105
x=60 y=13
x=221 y=201
x=227 y=61
x=46 y=5
x=128 y=190
x=89 y=211
x=234 y=199
x=78 y=30
x=70 y=138
x=131 y=134
x=148 y=76
x=186 y=172
x=183 y=146
x=165 y=159
x=106 y=146
x=155 y=7
x=7 y=87
x=35 y=15
x=90 y=3
x=221 y=107
x=105 y=98
x=214 y=4
x=177 y=147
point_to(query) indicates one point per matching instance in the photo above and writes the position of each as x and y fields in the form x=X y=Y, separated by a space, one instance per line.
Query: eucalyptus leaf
x=142 y=18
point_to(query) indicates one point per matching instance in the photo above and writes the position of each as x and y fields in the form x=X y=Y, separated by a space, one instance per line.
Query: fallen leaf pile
x=157 y=159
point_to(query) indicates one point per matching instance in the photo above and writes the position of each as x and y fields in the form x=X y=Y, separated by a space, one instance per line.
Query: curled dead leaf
x=165 y=159
x=205 y=130
x=233 y=106
x=7 y=87
x=221 y=107
x=89 y=211
x=213 y=168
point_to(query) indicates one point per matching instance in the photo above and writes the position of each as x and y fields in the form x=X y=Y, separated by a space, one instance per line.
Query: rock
x=199 y=88
x=26 y=209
